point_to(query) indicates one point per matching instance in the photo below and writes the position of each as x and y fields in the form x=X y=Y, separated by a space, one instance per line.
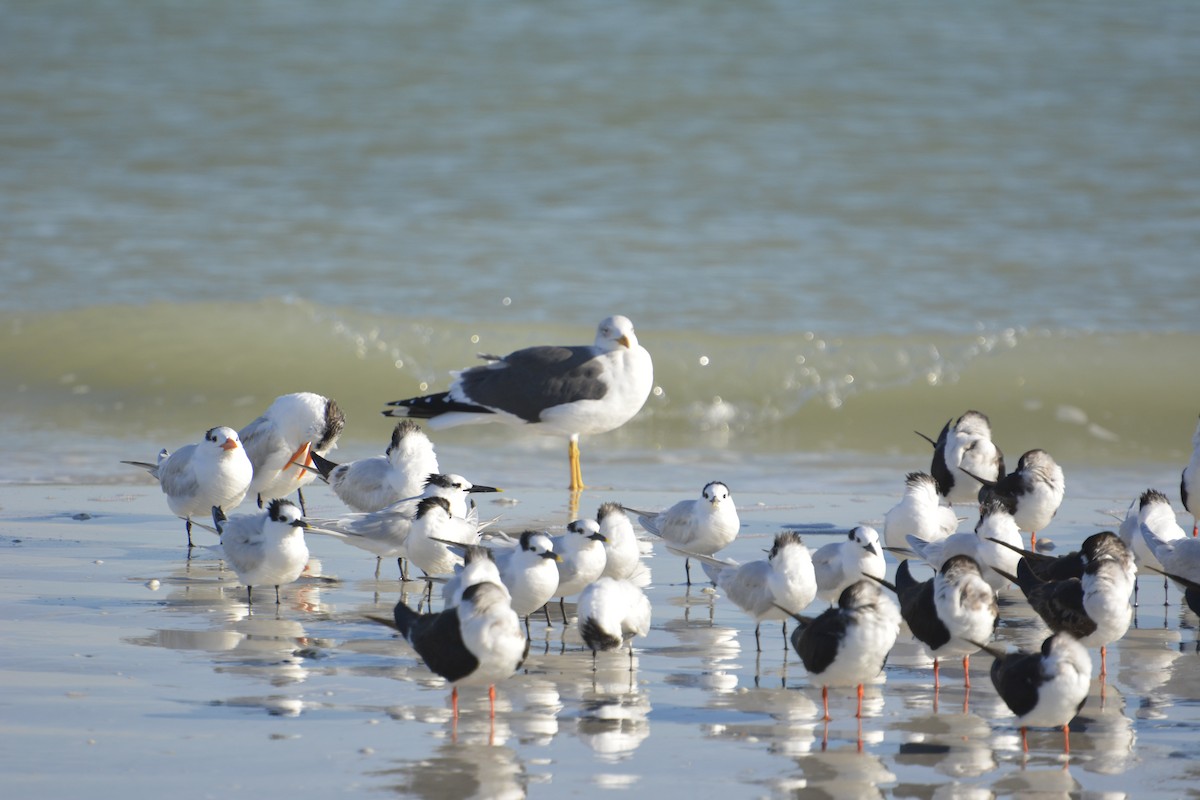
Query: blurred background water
x=831 y=223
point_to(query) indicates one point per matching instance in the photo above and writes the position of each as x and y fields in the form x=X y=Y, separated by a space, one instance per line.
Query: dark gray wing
x=817 y=644
x=1017 y=678
x=1063 y=610
x=437 y=638
x=530 y=381
x=919 y=610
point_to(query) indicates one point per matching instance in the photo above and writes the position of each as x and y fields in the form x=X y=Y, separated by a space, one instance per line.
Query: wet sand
x=129 y=667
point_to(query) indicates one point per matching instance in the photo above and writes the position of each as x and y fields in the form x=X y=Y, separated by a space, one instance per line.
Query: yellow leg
x=576 y=470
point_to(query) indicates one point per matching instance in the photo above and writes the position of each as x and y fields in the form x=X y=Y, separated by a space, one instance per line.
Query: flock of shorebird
x=403 y=506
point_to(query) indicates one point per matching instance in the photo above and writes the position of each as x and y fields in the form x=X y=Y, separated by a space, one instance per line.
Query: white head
x=716 y=493
x=222 y=440
x=615 y=331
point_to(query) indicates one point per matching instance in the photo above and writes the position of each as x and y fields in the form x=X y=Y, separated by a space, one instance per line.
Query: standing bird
x=212 y=472
x=1072 y=564
x=1094 y=608
x=530 y=573
x=612 y=612
x=477 y=642
x=839 y=564
x=919 y=513
x=1033 y=492
x=1189 y=483
x=264 y=548
x=848 y=644
x=950 y=612
x=1045 y=689
x=431 y=529
x=779 y=586
x=583 y=559
x=967 y=445
x=994 y=543
x=568 y=391
x=372 y=484
x=479 y=566
x=1168 y=543
x=385 y=532
x=623 y=556
x=702 y=526
x=281 y=442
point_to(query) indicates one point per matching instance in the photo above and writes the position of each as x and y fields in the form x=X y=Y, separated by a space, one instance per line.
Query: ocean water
x=832 y=224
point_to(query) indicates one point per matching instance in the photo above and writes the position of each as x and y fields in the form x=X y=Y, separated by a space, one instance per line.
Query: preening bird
x=610 y=613
x=919 y=513
x=280 y=443
x=967 y=445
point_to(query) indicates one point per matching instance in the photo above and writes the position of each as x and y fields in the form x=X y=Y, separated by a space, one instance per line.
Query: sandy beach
x=131 y=668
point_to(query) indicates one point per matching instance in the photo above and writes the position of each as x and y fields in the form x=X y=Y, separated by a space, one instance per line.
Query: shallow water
x=115 y=684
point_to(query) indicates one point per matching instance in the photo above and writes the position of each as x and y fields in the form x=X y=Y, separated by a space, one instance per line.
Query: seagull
x=967 y=445
x=1072 y=564
x=949 y=612
x=568 y=391
x=848 y=644
x=372 y=484
x=1045 y=689
x=1189 y=483
x=612 y=612
x=385 y=532
x=702 y=526
x=839 y=564
x=1173 y=550
x=776 y=587
x=583 y=559
x=264 y=548
x=530 y=573
x=986 y=546
x=623 y=557
x=212 y=472
x=919 y=513
x=1094 y=608
x=477 y=642
x=1033 y=492
x=281 y=442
